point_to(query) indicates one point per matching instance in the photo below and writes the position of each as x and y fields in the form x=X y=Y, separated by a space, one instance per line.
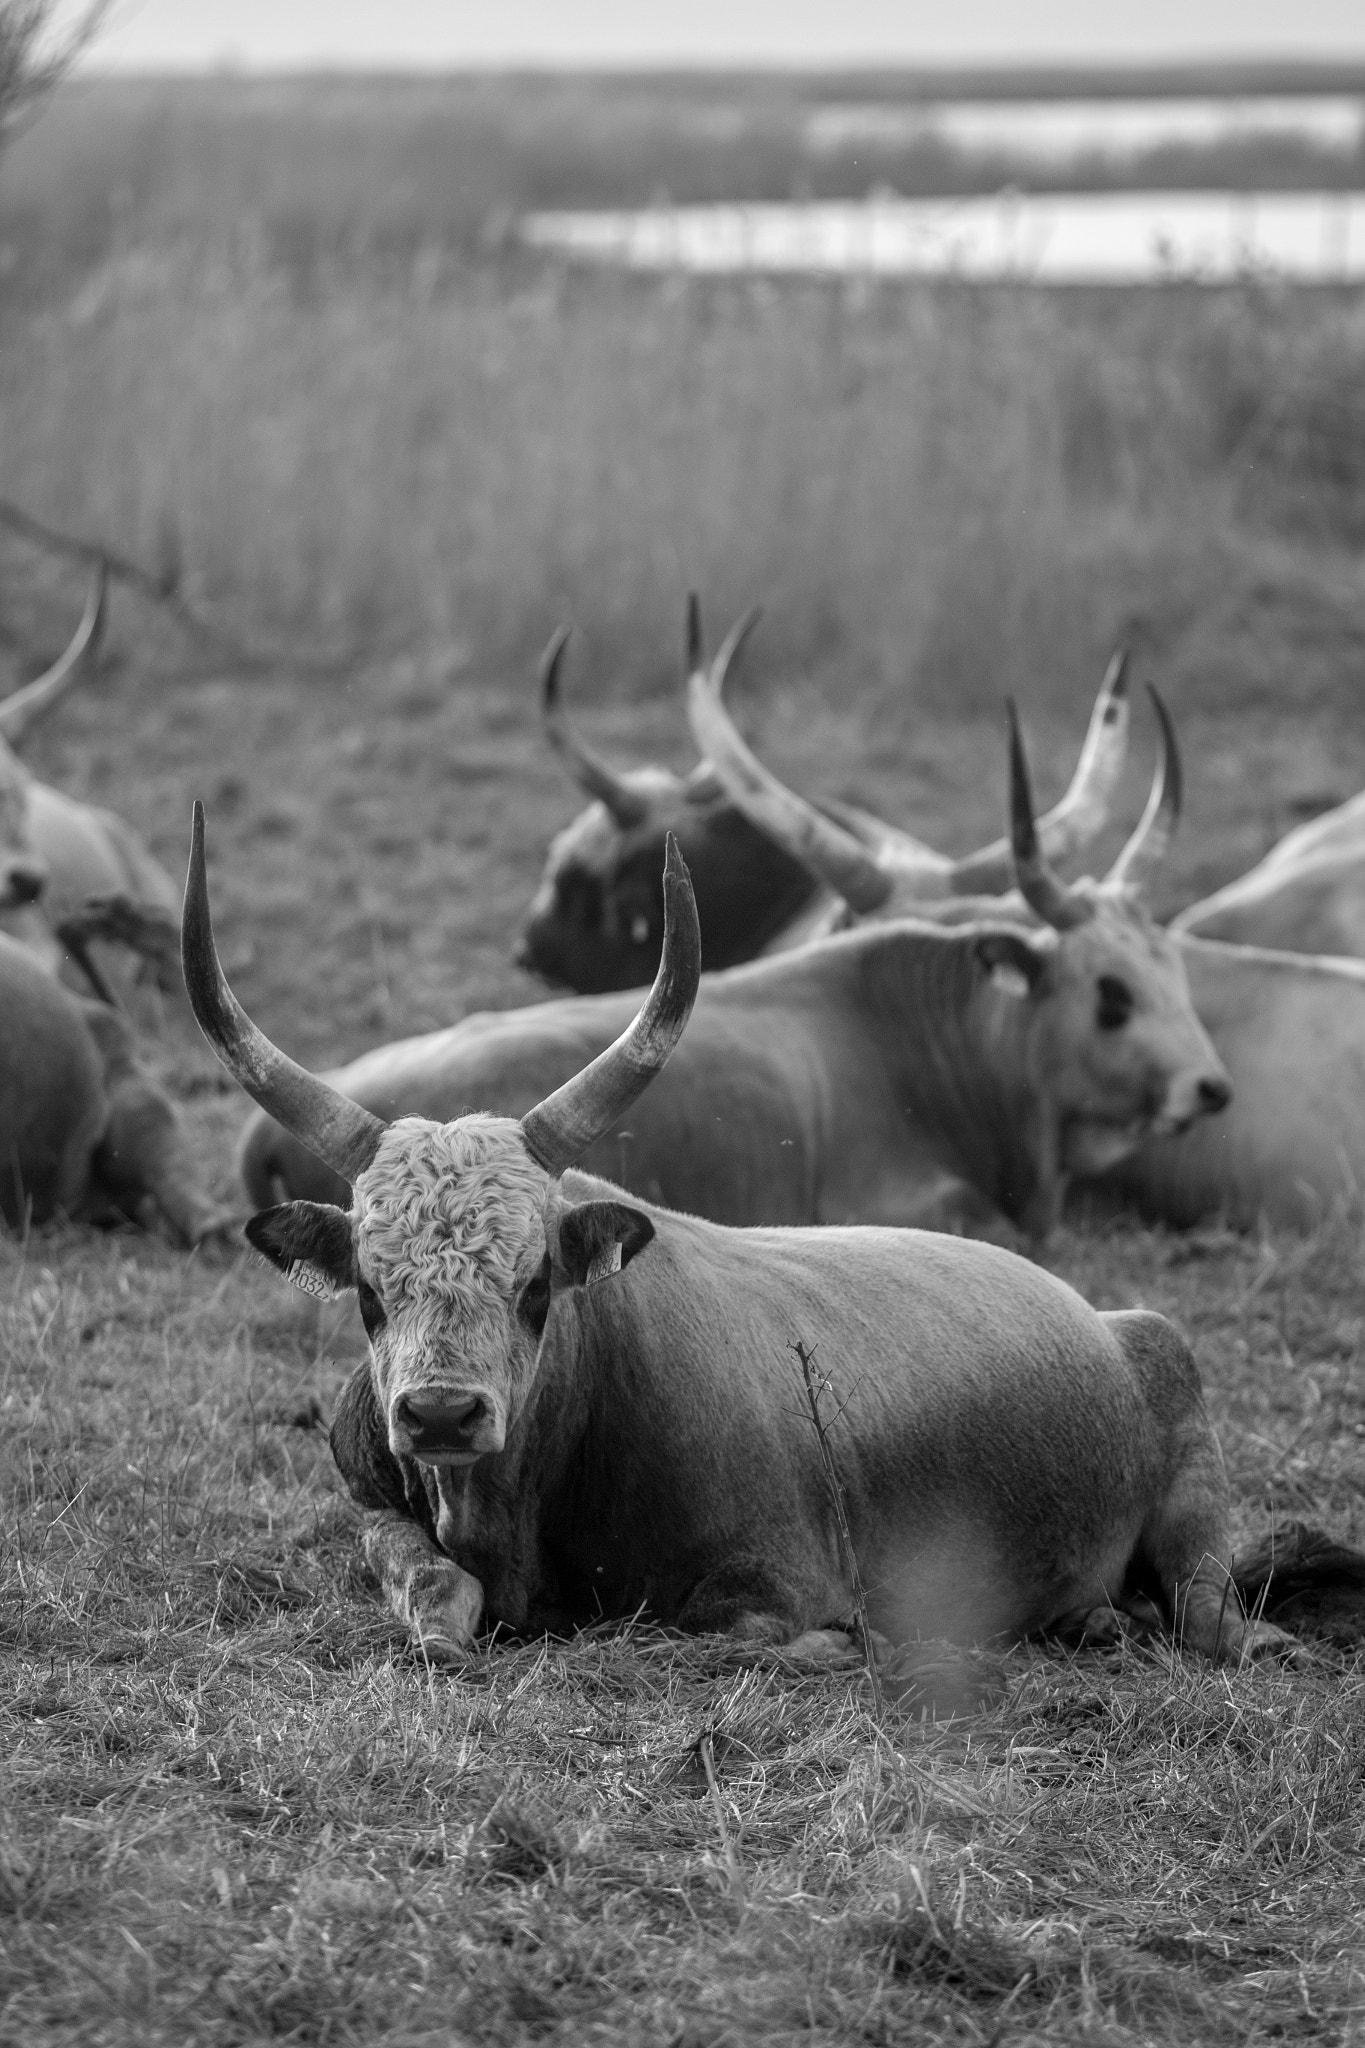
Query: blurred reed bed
x=965 y=489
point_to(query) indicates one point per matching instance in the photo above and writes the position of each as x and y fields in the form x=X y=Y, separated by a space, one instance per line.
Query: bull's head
x=1125 y=1056
x=458 y=1235
x=23 y=871
x=596 y=921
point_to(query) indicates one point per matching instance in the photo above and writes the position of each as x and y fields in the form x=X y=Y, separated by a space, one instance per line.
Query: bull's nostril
x=1214 y=1094
x=438 y=1416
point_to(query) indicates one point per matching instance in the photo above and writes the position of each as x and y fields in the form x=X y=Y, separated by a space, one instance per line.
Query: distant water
x=1057 y=238
x=1059 y=131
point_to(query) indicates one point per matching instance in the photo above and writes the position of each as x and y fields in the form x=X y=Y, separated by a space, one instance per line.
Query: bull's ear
x=597 y=1239
x=1012 y=961
x=311 y=1244
x=360 y=1445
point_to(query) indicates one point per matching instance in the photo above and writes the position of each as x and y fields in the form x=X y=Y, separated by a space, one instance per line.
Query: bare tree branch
x=37 y=49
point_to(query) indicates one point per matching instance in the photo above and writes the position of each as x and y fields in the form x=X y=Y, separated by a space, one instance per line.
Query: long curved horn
x=796 y=826
x=704 y=782
x=338 y=1131
x=1155 y=829
x=560 y=1129
x=1040 y=888
x=626 y=805
x=1070 y=826
x=23 y=707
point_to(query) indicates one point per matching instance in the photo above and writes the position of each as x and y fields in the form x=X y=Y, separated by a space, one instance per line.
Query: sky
x=265 y=35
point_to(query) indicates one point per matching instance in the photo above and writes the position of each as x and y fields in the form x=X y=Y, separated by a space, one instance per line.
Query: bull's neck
x=957 y=1052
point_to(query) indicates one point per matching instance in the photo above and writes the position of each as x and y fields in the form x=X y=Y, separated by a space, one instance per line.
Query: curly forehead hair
x=446 y=1210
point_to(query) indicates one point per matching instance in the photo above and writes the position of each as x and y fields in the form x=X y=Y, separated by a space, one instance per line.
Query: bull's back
x=52 y=1106
x=996 y=1438
x=725 y=1131
x=1291 y=1144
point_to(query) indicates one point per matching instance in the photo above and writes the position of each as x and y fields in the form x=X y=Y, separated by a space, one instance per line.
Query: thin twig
x=729 y=1854
x=814 y=1389
x=165 y=591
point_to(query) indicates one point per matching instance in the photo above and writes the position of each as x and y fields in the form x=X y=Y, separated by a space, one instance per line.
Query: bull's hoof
x=823 y=1649
x=942 y=1680
x=1261 y=1639
x=445 y=1652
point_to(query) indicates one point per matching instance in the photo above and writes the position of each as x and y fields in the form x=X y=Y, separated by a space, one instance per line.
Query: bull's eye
x=533 y=1303
x=371 y=1308
x=1115 y=1003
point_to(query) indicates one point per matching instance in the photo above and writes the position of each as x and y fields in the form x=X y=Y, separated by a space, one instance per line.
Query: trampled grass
x=233 y=1807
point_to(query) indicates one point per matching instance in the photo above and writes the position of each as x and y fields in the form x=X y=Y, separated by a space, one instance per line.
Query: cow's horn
x=1070 y=826
x=20 y=710
x=704 y=783
x=338 y=1131
x=1040 y=888
x=1155 y=829
x=796 y=826
x=560 y=1129
x=626 y=805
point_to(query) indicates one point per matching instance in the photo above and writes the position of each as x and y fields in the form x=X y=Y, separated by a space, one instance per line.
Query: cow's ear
x=360 y=1446
x=596 y=1239
x=310 y=1242
x=1012 y=961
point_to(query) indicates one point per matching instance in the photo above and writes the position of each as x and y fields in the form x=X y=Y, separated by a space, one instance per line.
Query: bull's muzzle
x=445 y=1425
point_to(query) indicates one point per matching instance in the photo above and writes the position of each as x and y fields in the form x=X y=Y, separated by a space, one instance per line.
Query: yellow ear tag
x=302 y=1273
x=604 y=1265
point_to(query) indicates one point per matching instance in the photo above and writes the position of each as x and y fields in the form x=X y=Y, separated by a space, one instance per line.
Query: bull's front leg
x=438 y=1602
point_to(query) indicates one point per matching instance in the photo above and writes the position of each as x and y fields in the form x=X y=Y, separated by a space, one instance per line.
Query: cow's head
x=1123 y=1057
x=458 y=1234
x=596 y=920
x=23 y=871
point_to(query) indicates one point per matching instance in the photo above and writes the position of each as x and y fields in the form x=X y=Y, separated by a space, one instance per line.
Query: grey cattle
x=900 y=1074
x=1289 y=1031
x=85 y=1131
x=55 y=852
x=577 y=1405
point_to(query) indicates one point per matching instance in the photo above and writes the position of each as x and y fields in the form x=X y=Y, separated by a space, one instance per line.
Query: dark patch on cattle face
x=359 y=1439
x=306 y=1235
x=589 y=1236
x=597 y=921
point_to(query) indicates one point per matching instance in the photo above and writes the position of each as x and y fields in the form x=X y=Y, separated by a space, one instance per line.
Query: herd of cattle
x=580 y=1295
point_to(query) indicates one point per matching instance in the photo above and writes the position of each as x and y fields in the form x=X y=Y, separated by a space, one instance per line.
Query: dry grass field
x=233 y=1807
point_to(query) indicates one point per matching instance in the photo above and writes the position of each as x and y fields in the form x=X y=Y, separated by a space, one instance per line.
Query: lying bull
x=596 y=919
x=84 y=1131
x=1289 y=1031
x=899 y=1074
x=54 y=851
x=579 y=1406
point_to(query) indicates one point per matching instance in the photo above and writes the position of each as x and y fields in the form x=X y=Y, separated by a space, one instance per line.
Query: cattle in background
x=578 y=1406
x=1289 y=1031
x=1306 y=896
x=55 y=852
x=595 y=922
x=84 y=1130
x=897 y=1074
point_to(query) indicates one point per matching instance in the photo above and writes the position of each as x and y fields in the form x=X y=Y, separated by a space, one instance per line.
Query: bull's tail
x=1304 y=1581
